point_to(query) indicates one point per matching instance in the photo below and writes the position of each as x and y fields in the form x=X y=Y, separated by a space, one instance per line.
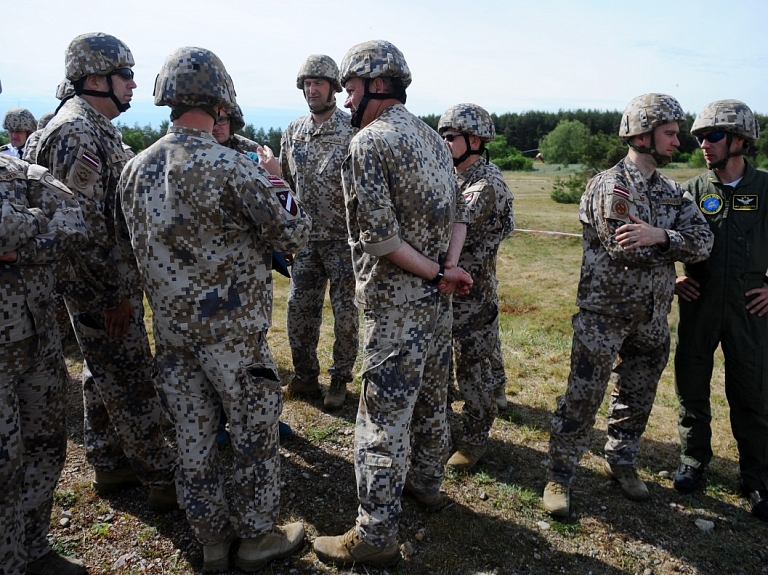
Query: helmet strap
x=398 y=94
x=80 y=90
x=661 y=159
x=469 y=151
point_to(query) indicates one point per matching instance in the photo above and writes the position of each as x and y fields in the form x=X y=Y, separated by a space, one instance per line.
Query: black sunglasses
x=451 y=137
x=124 y=73
x=222 y=120
x=711 y=137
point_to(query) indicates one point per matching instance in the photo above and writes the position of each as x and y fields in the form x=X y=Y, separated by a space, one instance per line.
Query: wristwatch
x=440 y=273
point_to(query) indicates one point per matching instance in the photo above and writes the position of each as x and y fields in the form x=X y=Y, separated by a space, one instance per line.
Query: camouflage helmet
x=236 y=119
x=648 y=111
x=19 y=120
x=44 y=119
x=731 y=116
x=95 y=53
x=469 y=119
x=193 y=76
x=373 y=59
x=319 y=66
x=65 y=90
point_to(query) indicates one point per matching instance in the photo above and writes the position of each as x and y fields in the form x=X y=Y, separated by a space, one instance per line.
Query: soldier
x=311 y=152
x=20 y=124
x=636 y=224
x=30 y=149
x=202 y=220
x=124 y=441
x=406 y=223
x=724 y=300
x=466 y=128
x=40 y=222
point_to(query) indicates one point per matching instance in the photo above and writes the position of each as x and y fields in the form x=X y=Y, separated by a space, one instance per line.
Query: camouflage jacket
x=398 y=187
x=84 y=150
x=241 y=144
x=41 y=220
x=30 y=148
x=202 y=220
x=491 y=219
x=627 y=283
x=310 y=158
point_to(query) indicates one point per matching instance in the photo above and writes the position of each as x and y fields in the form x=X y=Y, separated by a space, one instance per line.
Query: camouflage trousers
x=197 y=381
x=122 y=409
x=402 y=410
x=319 y=263
x=642 y=348
x=475 y=334
x=496 y=366
x=33 y=446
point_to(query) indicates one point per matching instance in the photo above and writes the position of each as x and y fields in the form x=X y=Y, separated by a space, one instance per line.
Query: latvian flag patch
x=623 y=192
x=275 y=181
x=91 y=160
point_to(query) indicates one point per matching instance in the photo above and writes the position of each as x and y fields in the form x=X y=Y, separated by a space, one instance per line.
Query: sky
x=505 y=55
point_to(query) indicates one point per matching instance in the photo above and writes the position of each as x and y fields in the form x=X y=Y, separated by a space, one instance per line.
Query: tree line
x=588 y=137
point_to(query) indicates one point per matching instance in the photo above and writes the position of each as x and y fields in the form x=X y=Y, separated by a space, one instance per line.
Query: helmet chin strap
x=330 y=103
x=661 y=159
x=79 y=89
x=357 y=117
x=468 y=152
x=728 y=155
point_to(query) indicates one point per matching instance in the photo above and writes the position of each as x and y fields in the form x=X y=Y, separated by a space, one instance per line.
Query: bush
x=516 y=163
x=697 y=160
x=569 y=191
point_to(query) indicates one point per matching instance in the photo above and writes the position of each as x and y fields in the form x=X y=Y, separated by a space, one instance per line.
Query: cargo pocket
x=376 y=478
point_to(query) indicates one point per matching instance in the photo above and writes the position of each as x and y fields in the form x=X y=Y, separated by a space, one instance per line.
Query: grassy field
x=496 y=523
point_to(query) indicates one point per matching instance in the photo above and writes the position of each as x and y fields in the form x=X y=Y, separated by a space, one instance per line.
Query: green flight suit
x=739 y=219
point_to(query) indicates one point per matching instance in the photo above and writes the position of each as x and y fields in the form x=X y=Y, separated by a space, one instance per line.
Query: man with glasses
x=724 y=300
x=81 y=147
x=311 y=152
x=466 y=128
x=636 y=224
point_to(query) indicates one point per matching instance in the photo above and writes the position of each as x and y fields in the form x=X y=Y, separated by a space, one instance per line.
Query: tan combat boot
x=557 y=499
x=216 y=556
x=626 y=475
x=337 y=392
x=349 y=549
x=466 y=457
x=276 y=544
x=429 y=502
x=310 y=388
x=106 y=482
x=500 y=395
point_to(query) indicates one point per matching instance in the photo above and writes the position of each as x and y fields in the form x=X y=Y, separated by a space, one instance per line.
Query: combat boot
x=54 y=564
x=162 y=499
x=688 y=478
x=310 y=388
x=280 y=542
x=106 y=482
x=633 y=487
x=337 y=391
x=429 y=502
x=466 y=457
x=349 y=549
x=501 y=398
x=216 y=556
x=557 y=499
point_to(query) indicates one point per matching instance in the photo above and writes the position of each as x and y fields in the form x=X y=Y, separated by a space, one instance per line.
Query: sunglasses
x=222 y=121
x=124 y=73
x=451 y=137
x=711 y=137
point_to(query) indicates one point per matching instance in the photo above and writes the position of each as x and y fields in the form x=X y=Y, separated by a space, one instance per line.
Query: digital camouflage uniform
x=30 y=148
x=399 y=187
x=476 y=316
x=204 y=243
x=311 y=158
x=738 y=216
x=41 y=220
x=624 y=297
x=242 y=144
x=122 y=411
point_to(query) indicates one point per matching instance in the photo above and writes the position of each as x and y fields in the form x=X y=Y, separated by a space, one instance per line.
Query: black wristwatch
x=441 y=272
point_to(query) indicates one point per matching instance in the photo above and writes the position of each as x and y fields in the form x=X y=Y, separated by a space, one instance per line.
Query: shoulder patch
x=275 y=181
x=286 y=200
x=623 y=192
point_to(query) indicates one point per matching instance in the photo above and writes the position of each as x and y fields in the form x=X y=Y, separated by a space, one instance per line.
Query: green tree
x=3 y=138
x=565 y=144
x=506 y=157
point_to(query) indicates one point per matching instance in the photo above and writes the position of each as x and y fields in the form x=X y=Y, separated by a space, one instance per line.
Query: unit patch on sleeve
x=711 y=204
x=286 y=199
